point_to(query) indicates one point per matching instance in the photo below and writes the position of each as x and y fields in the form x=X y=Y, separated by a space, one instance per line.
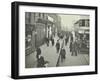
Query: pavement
x=80 y=59
x=51 y=55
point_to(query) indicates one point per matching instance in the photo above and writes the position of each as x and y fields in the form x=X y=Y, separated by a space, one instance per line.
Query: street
x=49 y=53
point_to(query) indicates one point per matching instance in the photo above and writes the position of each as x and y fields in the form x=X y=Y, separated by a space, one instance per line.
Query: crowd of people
x=60 y=49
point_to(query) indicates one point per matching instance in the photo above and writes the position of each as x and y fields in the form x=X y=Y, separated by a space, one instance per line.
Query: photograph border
x=15 y=39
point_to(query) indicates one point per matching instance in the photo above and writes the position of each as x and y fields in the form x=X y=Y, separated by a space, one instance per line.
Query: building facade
x=55 y=25
x=39 y=26
x=35 y=24
x=82 y=27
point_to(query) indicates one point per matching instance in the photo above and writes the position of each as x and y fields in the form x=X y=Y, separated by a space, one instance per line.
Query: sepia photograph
x=51 y=40
x=56 y=40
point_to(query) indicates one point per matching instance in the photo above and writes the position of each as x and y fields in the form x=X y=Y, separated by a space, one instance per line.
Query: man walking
x=57 y=46
x=66 y=40
x=74 y=48
x=52 y=40
x=70 y=46
x=63 y=54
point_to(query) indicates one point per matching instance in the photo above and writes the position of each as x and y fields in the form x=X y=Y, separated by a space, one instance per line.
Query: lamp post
x=35 y=39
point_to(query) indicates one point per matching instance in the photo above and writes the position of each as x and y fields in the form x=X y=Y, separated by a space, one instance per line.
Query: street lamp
x=35 y=39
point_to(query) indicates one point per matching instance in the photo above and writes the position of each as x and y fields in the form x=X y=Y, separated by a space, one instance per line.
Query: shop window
x=80 y=23
x=83 y=22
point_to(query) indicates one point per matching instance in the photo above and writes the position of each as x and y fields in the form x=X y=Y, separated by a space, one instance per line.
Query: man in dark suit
x=74 y=48
x=57 y=46
x=63 y=54
x=52 y=40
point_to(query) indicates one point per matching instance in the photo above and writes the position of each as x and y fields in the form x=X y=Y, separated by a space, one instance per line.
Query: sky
x=68 y=20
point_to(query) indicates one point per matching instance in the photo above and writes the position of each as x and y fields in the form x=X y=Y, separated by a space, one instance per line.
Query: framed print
x=50 y=40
